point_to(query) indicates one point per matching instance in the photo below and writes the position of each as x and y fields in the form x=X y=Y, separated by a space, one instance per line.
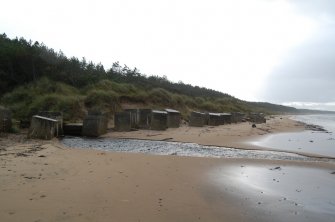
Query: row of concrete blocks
x=214 y=119
x=46 y=125
x=161 y=120
x=146 y=119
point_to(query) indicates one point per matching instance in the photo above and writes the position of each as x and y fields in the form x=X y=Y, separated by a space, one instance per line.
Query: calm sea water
x=308 y=142
x=326 y=121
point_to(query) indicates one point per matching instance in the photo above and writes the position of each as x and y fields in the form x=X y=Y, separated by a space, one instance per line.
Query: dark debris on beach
x=276 y=168
x=314 y=128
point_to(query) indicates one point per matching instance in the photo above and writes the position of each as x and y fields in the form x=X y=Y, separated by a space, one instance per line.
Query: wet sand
x=279 y=191
x=45 y=181
x=54 y=183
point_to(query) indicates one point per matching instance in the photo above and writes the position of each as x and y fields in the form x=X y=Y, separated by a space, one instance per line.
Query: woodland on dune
x=35 y=77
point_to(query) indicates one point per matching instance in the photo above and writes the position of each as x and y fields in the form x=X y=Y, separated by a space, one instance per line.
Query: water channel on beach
x=176 y=148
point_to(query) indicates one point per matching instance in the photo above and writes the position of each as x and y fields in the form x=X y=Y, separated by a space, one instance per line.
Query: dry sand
x=44 y=181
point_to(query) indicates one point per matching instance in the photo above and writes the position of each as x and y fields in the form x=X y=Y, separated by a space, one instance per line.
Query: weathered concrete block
x=214 y=119
x=134 y=118
x=122 y=121
x=144 y=118
x=158 y=120
x=173 y=118
x=104 y=116
x=197 y=119
x=95 y=125
x=226 y=118
x=237 y=117
x=54 y=115
x=43 y=128
x=5 y=120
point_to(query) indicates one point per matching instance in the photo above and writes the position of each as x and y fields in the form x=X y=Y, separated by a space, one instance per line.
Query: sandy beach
x=230 y=135
x=45 y=181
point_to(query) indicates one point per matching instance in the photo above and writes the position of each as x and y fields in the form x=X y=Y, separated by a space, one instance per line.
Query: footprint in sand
x=160 y=202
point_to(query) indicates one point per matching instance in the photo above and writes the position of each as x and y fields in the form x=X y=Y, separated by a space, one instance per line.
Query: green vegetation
x=44 y=94
x=34 y=78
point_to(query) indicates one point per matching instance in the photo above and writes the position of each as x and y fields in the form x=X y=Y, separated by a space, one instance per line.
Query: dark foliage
x=25 y=66
x=23 y=61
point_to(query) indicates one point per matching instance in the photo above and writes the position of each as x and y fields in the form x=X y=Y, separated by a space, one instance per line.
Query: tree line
x=23 y=61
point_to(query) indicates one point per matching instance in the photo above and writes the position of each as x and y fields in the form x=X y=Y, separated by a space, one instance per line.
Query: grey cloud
x=314 y=7
x=307 y=74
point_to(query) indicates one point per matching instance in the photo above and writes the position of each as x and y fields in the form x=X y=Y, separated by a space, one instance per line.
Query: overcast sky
x=258 y=50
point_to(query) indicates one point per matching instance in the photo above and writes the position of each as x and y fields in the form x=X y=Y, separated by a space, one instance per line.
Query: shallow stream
x=176 y=148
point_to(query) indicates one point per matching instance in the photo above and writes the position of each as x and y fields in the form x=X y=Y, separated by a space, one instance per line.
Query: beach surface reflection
x=280 y=192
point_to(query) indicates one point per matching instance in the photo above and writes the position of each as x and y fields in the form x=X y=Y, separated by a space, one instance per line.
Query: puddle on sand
x=175 y=148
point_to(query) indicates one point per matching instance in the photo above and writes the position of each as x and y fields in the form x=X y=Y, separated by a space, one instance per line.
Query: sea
x=309 y=142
